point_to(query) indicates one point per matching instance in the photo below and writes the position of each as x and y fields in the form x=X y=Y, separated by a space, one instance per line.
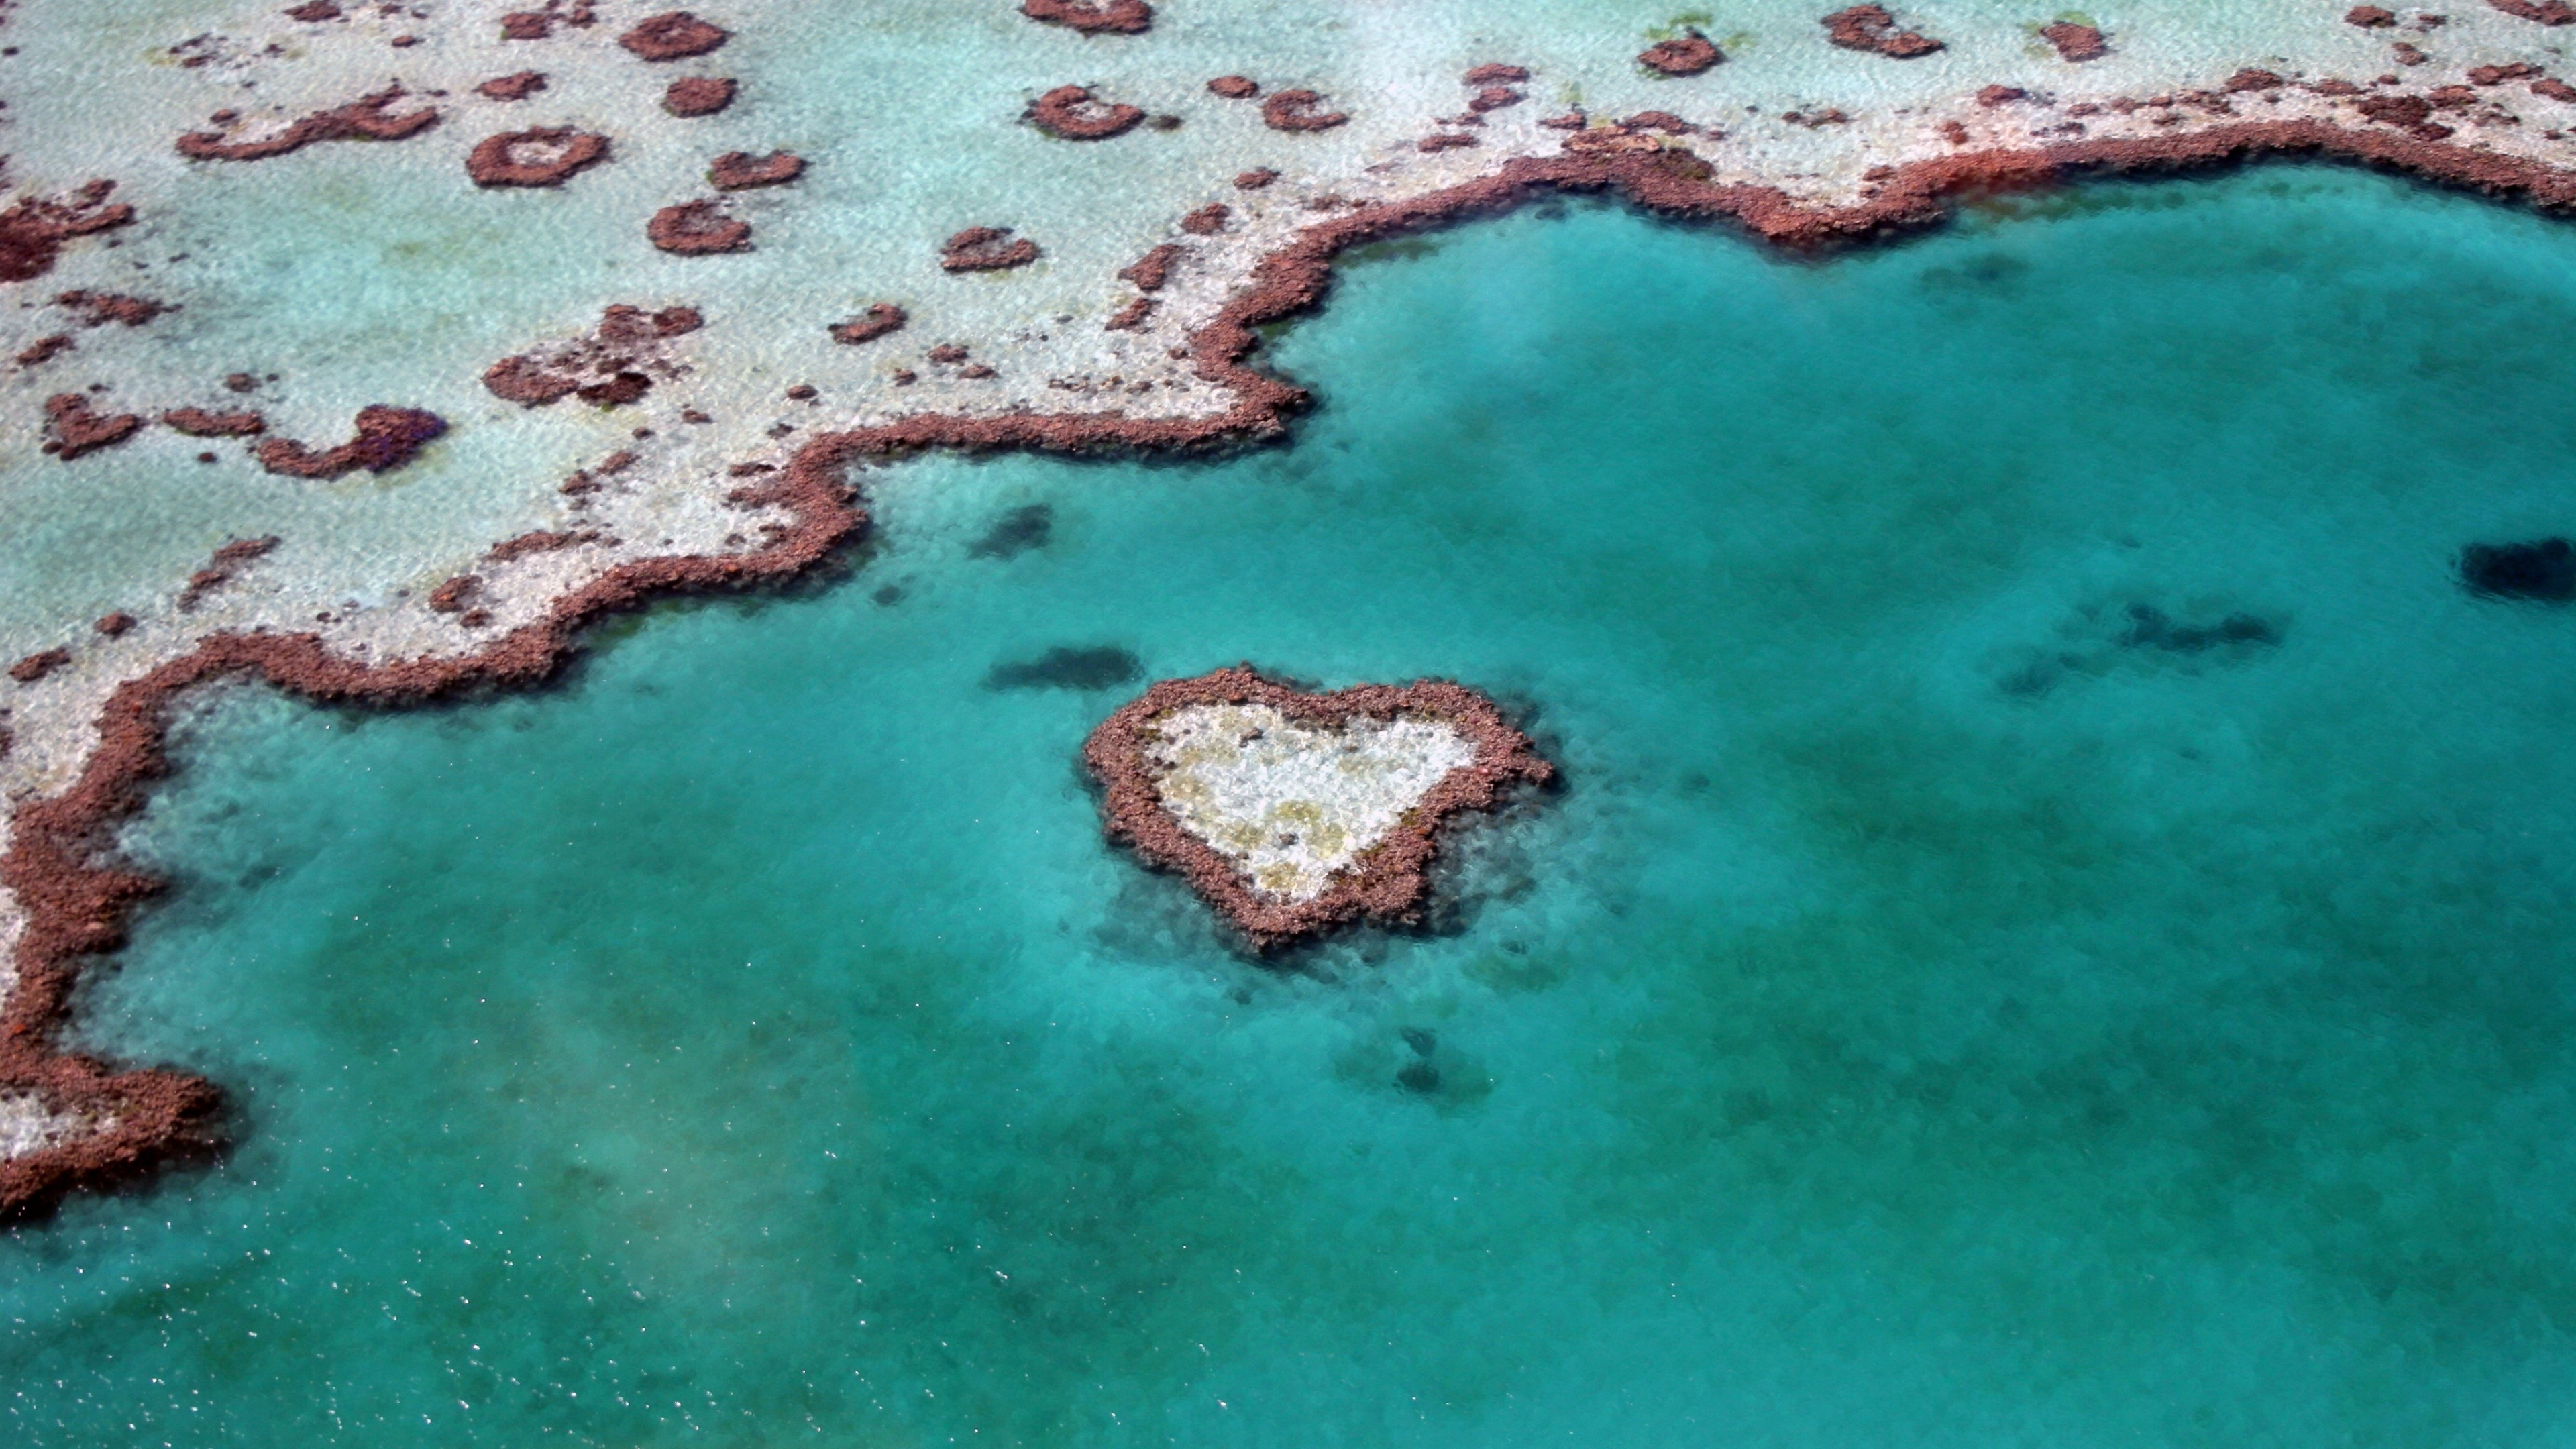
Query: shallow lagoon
x=1946 y=1005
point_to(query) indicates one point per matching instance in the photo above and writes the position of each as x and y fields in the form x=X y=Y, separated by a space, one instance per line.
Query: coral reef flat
x=1936 y=758
x=1939 y=1008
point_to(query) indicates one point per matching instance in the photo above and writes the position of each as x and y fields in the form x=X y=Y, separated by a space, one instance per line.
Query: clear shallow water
x=1946 y=1007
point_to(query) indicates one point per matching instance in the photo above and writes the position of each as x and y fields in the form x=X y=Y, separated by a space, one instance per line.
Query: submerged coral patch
x=2543 y=570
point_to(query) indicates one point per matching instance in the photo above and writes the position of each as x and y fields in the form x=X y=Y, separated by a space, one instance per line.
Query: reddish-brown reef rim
x=1688 y=55
x=880 y=319
x=698 y=95
x=1073 y=113
x=673 y=35
x=1092 y=17
x=545 y=156
x=77 y=905
x=368 y=118
x=73 y=429
x=517 y=86
x=386 y=438
x=33 y=230
x=1871 y=27
x=1386 y=883
x=1296 y=111
x=2077 y=43
x=986 y=249
x=697 y=228
x=2546 y=12
x=742 y=171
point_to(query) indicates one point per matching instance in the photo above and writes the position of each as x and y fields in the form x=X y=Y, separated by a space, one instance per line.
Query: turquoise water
x=1945 y=1006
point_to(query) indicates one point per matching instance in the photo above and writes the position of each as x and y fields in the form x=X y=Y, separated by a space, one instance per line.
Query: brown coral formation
x=1295 y=111
x=44 y=349
x=2078 y=43
x=742 y=171
x=1130 y=317
x=673 y=35
x=228 y=561
x=454 y=595
x=368 y=118
x=200 y=423
x=1254 y=179
x=2370 y=17
x=97 y=309
x=986 y=249
x=1092 y=17
x=517 y=86
x=1150 y=271
x=1496 y=74
x=33 y=229
x=541 y=541
x=1208 y=220
x=1688 y=55
x=1234 y=87
x=1387 y=883
x=2546 y=12
x=546 y=156
x=2403 y=111
x=697 y=228
x=36 y=666
x=1073 y=113
x=1444 y=141
x=698 y=95
x=73 y=428
x=386 y=438
x=610 y=364
x=880 y=319
x=1871 y=27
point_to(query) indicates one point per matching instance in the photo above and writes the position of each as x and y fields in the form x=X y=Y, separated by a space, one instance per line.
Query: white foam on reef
x=367 y=272
x=1288 y=803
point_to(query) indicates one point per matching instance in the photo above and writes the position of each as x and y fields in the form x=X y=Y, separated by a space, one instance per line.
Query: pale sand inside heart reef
x=1288 y=803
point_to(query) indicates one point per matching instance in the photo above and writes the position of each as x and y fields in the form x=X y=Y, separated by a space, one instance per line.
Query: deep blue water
x=2054 y=932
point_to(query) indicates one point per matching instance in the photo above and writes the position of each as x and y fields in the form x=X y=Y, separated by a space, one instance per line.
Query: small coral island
x=1293 y=812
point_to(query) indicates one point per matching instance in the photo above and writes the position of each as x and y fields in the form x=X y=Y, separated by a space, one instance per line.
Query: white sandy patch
x=27 y=1126
x=1289 y=803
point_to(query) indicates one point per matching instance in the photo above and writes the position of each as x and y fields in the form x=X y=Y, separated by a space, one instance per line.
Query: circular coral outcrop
x=1073 y=113
x=673 y=35
x=697 y=228
x=1295 y=111
x=542 y=157
x=1689 y=55
x=698 y=95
